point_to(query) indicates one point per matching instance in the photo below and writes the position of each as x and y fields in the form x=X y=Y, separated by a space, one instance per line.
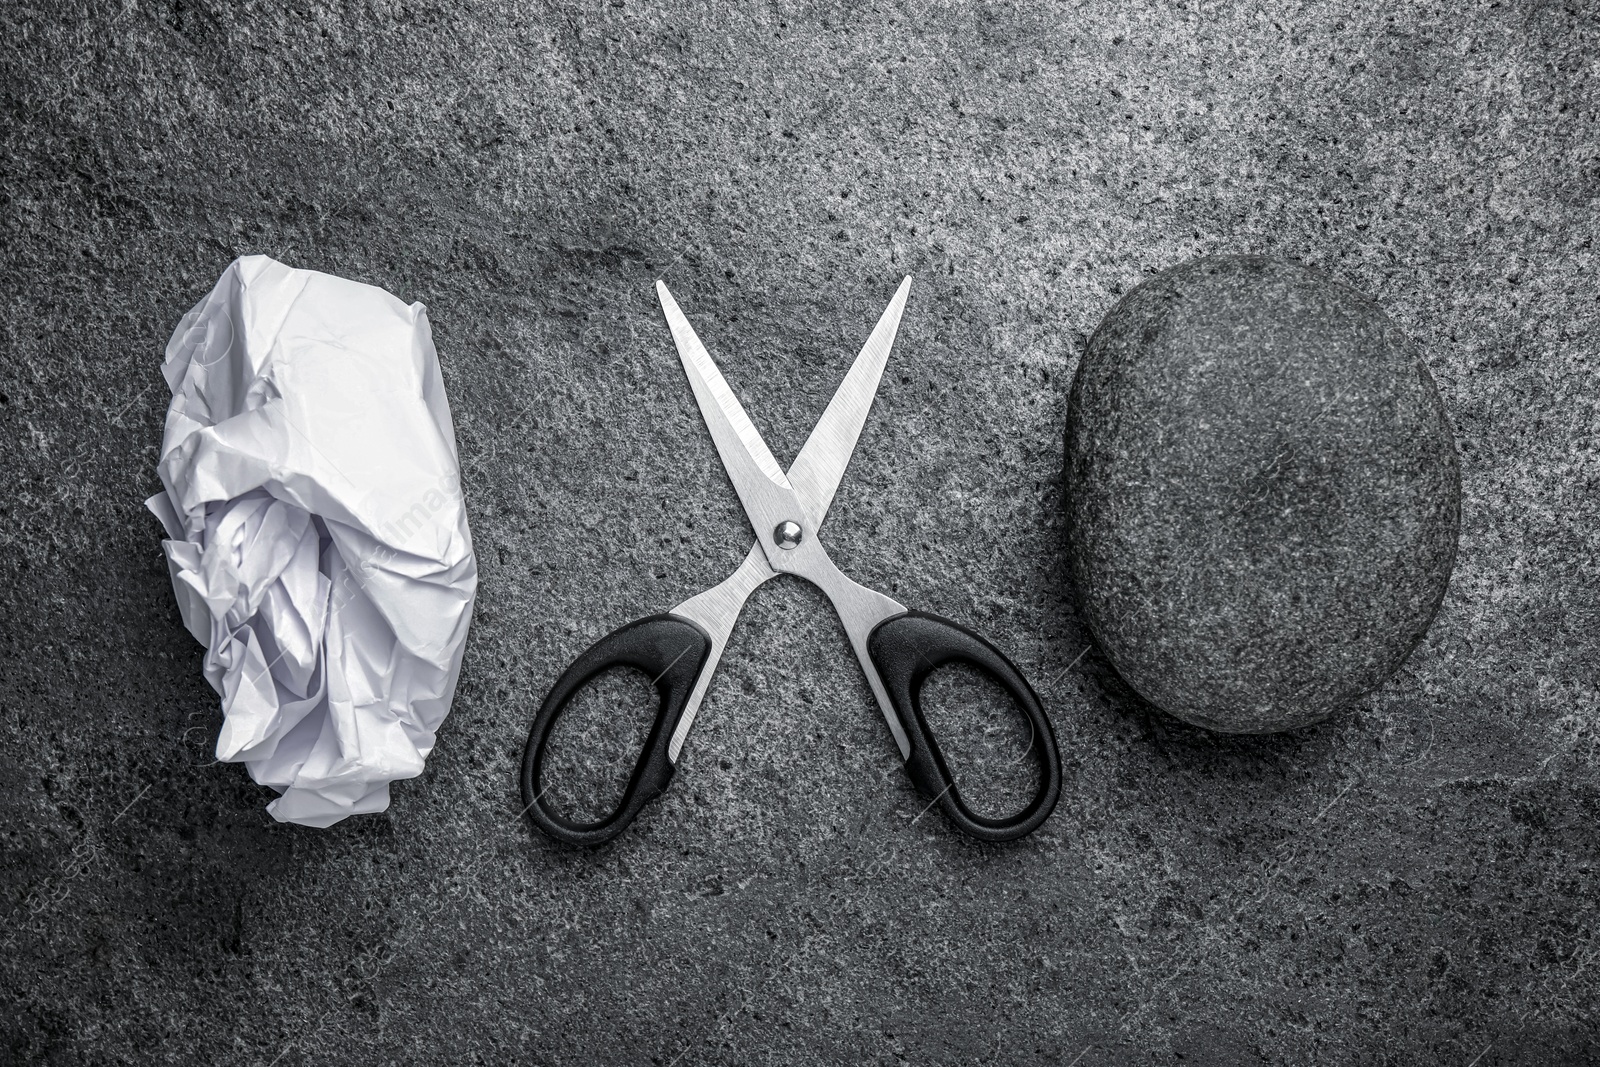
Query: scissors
x=898 y=648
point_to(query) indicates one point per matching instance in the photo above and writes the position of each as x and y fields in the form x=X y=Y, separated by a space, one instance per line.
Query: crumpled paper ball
x=317 y=540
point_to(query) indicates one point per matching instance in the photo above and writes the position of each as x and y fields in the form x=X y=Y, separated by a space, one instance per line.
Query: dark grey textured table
x=1412 y=882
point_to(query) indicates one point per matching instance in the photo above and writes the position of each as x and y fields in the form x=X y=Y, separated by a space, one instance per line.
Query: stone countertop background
x=1413 y=881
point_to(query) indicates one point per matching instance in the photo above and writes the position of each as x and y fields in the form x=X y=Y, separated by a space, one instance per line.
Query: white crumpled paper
x=318 y=544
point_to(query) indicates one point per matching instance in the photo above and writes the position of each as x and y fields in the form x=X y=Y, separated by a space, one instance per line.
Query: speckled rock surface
x=1262 y=493
x=1413 y=881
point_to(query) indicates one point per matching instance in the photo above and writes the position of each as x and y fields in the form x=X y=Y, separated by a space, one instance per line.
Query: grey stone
x=1262 y=493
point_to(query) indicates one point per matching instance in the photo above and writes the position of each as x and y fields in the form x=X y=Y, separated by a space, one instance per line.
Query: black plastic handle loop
x=906 y=650
x=670 y=651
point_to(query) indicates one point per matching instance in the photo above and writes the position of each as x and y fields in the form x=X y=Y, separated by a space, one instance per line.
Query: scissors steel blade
x=820 y=466
x=730 y=427
x=817 y=471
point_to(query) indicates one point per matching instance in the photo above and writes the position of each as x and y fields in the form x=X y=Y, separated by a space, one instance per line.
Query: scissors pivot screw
x=787 y=534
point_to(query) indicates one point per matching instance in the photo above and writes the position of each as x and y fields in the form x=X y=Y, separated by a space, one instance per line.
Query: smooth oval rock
x=1262 y=493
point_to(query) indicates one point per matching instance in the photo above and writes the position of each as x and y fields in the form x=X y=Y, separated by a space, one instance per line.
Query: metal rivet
x=787 y=534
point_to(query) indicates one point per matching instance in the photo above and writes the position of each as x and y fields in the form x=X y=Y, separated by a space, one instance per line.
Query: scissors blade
x=730 y=427
x=820 y=466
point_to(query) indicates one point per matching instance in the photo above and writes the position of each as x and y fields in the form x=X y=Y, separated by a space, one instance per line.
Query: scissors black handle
x=906 y=649
x=671 y=651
